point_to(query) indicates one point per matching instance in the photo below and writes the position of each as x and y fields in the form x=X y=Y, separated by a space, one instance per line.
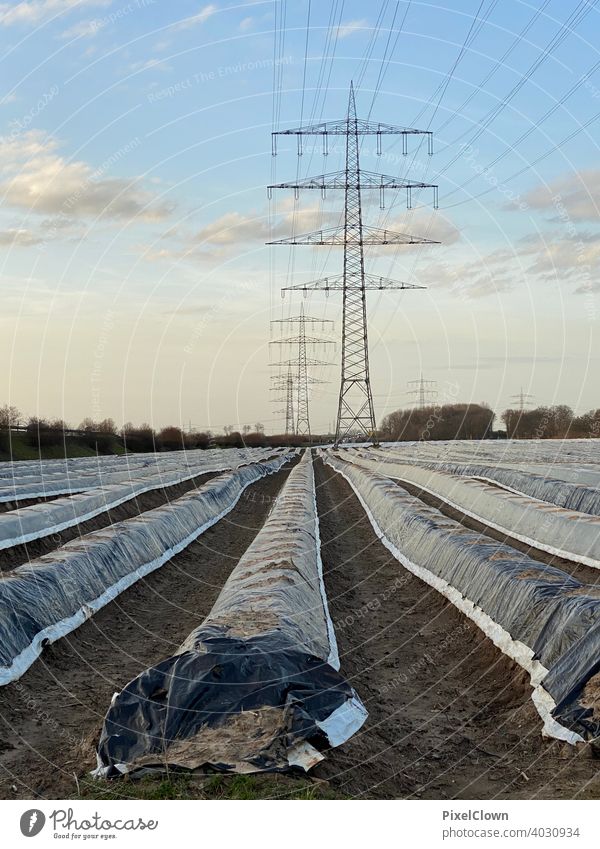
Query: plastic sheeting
x=48 y=484
x=547 y=486
x=544 y=619
x=256 y=686
x=51 y=596
x=51 y=517
x=565 y=533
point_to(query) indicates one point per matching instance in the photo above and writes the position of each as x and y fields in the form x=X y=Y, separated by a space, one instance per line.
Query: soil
x=449 y=715
x=50 y=719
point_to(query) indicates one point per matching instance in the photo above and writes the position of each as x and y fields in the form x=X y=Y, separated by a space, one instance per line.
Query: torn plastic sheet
x=48 y=484
x=41 y=520
x=49 y=597
x=516 y=601
x=565 y=533
x=256 y=687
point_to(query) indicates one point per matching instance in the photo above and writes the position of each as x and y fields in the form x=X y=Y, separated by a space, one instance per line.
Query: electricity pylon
x=356 y=415
x=424 y=390
x=286 y=385
x=524 y=399
x=303 y=362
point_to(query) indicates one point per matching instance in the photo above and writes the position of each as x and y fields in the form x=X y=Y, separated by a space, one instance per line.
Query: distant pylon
x=302 y=363
x=424 y=391
x=523 y=399
x=356 y=415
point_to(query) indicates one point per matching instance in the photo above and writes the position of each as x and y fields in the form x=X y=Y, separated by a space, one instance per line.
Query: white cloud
x=574 y=196
x=19 y=238
x=34 y=177
x=34 y=11
x=84 y=29
x=246 y=24
x=8 y=98
x=151 y=64
x=350 y=27
x=200 y=18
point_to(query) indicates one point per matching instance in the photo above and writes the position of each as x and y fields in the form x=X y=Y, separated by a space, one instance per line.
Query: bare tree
x=9 y=416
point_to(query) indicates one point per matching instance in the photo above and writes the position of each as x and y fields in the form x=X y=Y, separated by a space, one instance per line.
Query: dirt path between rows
x=12 y=557
x=449 y=715
x=50 y=718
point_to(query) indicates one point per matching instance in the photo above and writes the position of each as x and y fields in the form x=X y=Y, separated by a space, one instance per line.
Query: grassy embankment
x=19 y=449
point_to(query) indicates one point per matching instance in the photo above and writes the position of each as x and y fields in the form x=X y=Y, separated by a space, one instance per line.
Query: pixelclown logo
x=32 y=822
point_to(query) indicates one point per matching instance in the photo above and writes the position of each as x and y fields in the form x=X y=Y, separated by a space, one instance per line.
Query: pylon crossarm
x=338 y=236
x=303 y=319
x=339 y=180
x=359 y=127
x=308 y=340
x=309 y=362
x=335 y=283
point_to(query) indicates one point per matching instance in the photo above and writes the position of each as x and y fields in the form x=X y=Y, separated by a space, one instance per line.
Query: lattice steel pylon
x=284 y=385
x=303 y=363
x=524 y=400
x=424 y=390
x=356 y=415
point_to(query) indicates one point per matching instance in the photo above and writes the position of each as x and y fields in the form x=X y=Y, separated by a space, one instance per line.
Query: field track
x=449 y=715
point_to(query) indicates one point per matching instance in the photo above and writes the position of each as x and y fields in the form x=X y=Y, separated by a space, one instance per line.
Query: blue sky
x=134 y=157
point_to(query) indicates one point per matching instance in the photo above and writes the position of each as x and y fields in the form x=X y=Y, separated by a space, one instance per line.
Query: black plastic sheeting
x=256 y=686
x=157 y=717
x=553 y=614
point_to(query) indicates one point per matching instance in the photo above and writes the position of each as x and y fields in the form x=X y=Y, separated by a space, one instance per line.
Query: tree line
x=101 y=436
x=476 y=421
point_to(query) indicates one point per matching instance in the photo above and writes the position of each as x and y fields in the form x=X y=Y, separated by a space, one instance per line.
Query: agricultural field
x=418 y=620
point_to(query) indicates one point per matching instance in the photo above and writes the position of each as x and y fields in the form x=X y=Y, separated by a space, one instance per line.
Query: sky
x=135 y=151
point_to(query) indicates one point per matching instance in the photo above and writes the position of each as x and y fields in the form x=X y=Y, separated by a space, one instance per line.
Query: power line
x=356 y=415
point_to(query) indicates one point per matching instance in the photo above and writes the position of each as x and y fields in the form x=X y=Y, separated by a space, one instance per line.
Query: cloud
x=573 y=196
x=151 y=64
x=35 y=178
x=84 y=29
x=350 y=27
x=8 y=98
x=429 y=225
x=194 y=20
x=234 y=233
x=34 y=11
x=19 y=238
x=246 y=24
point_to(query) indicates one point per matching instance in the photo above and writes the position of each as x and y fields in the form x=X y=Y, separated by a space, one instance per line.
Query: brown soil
x=12 y=557
x=50 y=718
x=7 y=506
x=449 y=715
